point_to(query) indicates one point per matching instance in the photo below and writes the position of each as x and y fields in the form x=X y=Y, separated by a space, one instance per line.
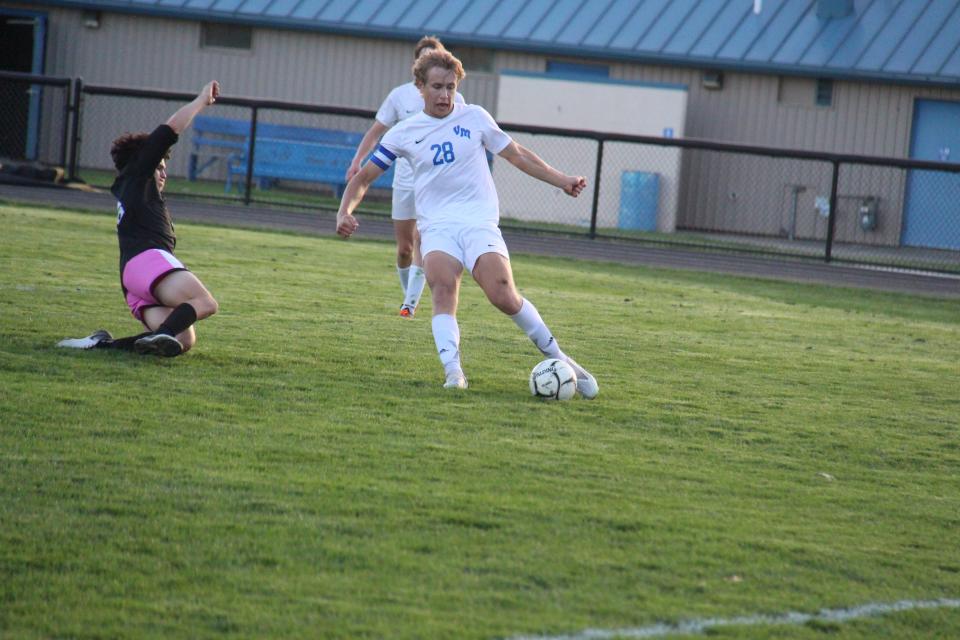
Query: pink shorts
x=140 y=275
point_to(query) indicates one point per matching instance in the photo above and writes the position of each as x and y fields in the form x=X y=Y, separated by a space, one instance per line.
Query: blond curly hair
x=442 y=59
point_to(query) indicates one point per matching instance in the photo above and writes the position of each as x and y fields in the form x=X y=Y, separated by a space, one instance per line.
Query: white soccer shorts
x=466 y=244
x=404 y=206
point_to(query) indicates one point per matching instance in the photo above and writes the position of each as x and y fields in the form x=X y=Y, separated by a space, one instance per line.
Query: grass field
x=756 y=448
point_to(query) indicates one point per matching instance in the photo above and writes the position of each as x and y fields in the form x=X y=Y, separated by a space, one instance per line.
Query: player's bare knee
x=504 y=297
x=213 y=306
x=205 y=306
x=506 y=303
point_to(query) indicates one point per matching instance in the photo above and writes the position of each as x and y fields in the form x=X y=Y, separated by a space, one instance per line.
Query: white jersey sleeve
x=389 y=112
x=389 y=149
x=383 y=157
x=494 y=139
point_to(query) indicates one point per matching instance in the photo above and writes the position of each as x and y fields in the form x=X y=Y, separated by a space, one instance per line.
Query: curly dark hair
x=127 y=146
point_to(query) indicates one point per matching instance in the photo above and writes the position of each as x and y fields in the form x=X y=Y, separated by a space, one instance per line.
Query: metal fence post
x=65 y=136
x=250 y=152
x=75 y=129
x=832 y=218
x=596 y=191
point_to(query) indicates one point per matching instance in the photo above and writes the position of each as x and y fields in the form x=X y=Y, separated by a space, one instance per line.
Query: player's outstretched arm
x=185 y=114
x=353 y=196
x=533 y=165
x=370 y=139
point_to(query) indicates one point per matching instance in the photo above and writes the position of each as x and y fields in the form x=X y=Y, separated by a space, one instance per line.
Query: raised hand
x=210 y=92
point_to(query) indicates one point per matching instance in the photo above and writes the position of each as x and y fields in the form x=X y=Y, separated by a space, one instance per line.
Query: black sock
x=179 y=320
x=123 y=344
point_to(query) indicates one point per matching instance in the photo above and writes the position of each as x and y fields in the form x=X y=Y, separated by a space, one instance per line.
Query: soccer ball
x=553 y=379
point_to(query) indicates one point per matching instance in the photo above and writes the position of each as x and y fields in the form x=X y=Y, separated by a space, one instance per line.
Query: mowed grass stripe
x=756 y=447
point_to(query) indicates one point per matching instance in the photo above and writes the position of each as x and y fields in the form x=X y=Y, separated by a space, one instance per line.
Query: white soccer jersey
x=401 y=103
x=452 y=180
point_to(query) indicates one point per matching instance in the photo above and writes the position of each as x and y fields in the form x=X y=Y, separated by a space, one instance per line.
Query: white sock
x=446 y=335
x=415 y=283
x=404 y=274
x=528 y=319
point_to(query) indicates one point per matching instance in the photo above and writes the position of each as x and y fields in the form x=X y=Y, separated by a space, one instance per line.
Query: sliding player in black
x=161 y=293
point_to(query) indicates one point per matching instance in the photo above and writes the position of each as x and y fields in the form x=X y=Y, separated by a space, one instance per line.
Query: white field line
x=693 y=627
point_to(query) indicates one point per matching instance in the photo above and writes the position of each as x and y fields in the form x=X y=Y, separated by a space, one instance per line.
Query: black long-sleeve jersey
x=143 y=221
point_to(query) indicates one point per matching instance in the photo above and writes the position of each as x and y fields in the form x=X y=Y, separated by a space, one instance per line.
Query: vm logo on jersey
x=460 y=131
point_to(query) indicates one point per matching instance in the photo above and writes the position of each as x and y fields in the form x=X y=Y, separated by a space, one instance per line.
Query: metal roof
x=888 y=40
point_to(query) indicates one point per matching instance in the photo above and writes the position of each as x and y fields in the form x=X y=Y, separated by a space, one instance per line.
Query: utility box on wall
x=596 y=104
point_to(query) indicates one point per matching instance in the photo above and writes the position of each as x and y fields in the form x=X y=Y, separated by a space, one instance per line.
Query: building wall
x=720 y=192
x=755 y=195
x=161 y=53
x=152 y=52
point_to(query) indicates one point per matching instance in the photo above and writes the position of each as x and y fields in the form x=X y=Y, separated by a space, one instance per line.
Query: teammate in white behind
x=553 y=379
x=402 y=102
x=458 y=210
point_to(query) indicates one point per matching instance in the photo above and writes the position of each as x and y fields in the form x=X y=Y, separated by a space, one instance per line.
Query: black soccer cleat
x=158 y=344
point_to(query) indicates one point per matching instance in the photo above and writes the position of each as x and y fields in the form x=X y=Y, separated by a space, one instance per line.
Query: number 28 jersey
x=403 y=102
x=452 y=180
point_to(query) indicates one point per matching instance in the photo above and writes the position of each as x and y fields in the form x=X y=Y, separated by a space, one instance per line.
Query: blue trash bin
x=639 y=194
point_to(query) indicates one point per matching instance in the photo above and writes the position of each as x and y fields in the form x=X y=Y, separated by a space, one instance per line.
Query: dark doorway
x=17 y=45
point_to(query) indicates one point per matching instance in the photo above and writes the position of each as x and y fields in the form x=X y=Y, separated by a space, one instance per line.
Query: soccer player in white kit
x=458 y=209
x=401 y=103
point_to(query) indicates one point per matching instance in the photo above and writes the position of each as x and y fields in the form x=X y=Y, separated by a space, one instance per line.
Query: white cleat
x=89 y=342
x=455 y=380
x=586 y=384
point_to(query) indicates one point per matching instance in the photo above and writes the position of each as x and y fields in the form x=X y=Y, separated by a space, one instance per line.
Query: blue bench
x=282 y=152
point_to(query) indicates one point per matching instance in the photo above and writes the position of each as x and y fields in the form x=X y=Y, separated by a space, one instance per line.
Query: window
x=578 y=68
x=474 y=59
x=824 y=92
x=805 y=92
x=226 y=36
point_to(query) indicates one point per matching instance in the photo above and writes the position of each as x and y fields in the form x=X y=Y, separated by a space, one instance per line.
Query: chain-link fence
x=887 y=212
x=697 y=194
